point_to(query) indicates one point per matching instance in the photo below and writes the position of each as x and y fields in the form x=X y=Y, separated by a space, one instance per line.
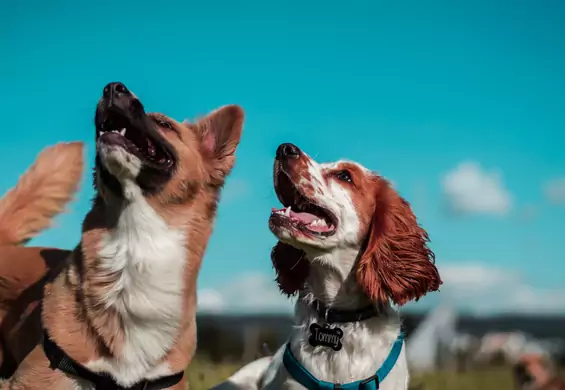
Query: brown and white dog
x=533 y=372
x=350 y=247
x=119 y=311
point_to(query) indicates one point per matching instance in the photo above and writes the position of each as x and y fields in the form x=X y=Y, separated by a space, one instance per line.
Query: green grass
x=202 y=374
x=485 y=379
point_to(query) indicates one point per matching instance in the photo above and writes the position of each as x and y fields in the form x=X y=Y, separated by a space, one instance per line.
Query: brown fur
x=396 y=263
x=73 y=315
x=41 y=193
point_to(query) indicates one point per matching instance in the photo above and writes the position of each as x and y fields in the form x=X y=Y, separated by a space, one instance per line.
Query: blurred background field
x=446 y=350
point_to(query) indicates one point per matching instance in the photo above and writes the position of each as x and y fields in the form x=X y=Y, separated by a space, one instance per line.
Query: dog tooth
x=123 y=131
x=287 y=211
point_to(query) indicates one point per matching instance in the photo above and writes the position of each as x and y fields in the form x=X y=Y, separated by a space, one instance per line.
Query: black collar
x=59 y=360
x=340 y=316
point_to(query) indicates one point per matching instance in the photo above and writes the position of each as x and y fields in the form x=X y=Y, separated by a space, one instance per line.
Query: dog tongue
x=305 y=218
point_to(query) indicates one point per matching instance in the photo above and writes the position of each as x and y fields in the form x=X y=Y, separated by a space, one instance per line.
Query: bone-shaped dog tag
x=325 y=336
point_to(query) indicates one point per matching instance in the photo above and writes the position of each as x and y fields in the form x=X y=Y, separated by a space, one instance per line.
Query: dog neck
x=336 y=286
x=331 y=281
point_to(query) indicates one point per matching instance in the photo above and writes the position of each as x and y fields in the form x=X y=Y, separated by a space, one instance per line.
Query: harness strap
x=306 y=379
x=59 y=360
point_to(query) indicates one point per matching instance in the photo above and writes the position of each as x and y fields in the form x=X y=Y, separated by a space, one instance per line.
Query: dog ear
x=291 y=266
x=220 y=133
x=396 y=263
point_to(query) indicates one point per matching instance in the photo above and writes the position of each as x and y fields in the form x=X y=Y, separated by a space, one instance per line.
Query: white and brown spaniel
x=350 y=248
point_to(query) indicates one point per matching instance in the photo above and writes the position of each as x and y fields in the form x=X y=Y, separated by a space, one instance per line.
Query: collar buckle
x=369 y=380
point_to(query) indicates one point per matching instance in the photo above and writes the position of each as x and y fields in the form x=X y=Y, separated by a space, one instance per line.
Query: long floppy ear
x=397 y=263
x=220 y=132
x=291 y=267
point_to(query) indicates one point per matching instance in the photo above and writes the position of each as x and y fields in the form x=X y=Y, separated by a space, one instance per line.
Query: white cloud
x=484 y=289
x=471 y=277
x=210 y=300
x=479 y=288
x=248 y=292
x=555 y=191
x=470 y=189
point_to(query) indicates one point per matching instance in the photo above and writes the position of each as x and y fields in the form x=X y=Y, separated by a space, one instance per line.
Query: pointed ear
x=397 y=263
x=220 y=132
x=291 y=267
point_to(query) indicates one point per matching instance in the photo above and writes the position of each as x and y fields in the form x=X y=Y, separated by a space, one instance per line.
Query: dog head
x=335 y=206
x=168 y=161
x=535 y=372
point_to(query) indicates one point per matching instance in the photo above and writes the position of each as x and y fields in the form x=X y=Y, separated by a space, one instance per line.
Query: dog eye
x=344 y=176
x=165 y=124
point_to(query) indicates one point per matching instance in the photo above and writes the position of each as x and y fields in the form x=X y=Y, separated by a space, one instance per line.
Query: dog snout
x=115 y=90
x=287 y=150
x=117 y=95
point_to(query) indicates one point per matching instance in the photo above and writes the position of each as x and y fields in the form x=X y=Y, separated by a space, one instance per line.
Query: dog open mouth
x=117 y=130
x=300 y=213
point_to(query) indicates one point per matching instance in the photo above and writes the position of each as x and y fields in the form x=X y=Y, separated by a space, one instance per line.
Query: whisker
x=295 y=264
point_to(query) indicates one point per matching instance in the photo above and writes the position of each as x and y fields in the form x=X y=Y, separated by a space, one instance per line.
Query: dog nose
x=287 y=150
x=116 y=95
x=115 y=90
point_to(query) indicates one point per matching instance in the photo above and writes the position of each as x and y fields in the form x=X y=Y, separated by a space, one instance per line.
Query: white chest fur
x=366 y=345
x=149 y=258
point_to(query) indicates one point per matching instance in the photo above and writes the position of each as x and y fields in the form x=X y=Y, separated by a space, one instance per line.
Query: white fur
x=366 y=344
x=119 y=162
x=81 y=384
x=149 y=256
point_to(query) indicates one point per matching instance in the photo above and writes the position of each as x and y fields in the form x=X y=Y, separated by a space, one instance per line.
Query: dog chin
x=299 y=240
x=121 y=164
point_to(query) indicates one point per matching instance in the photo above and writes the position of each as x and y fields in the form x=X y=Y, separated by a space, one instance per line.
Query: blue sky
x=461 y=106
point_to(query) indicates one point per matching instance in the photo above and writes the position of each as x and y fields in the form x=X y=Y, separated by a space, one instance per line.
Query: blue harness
x=301 y=374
